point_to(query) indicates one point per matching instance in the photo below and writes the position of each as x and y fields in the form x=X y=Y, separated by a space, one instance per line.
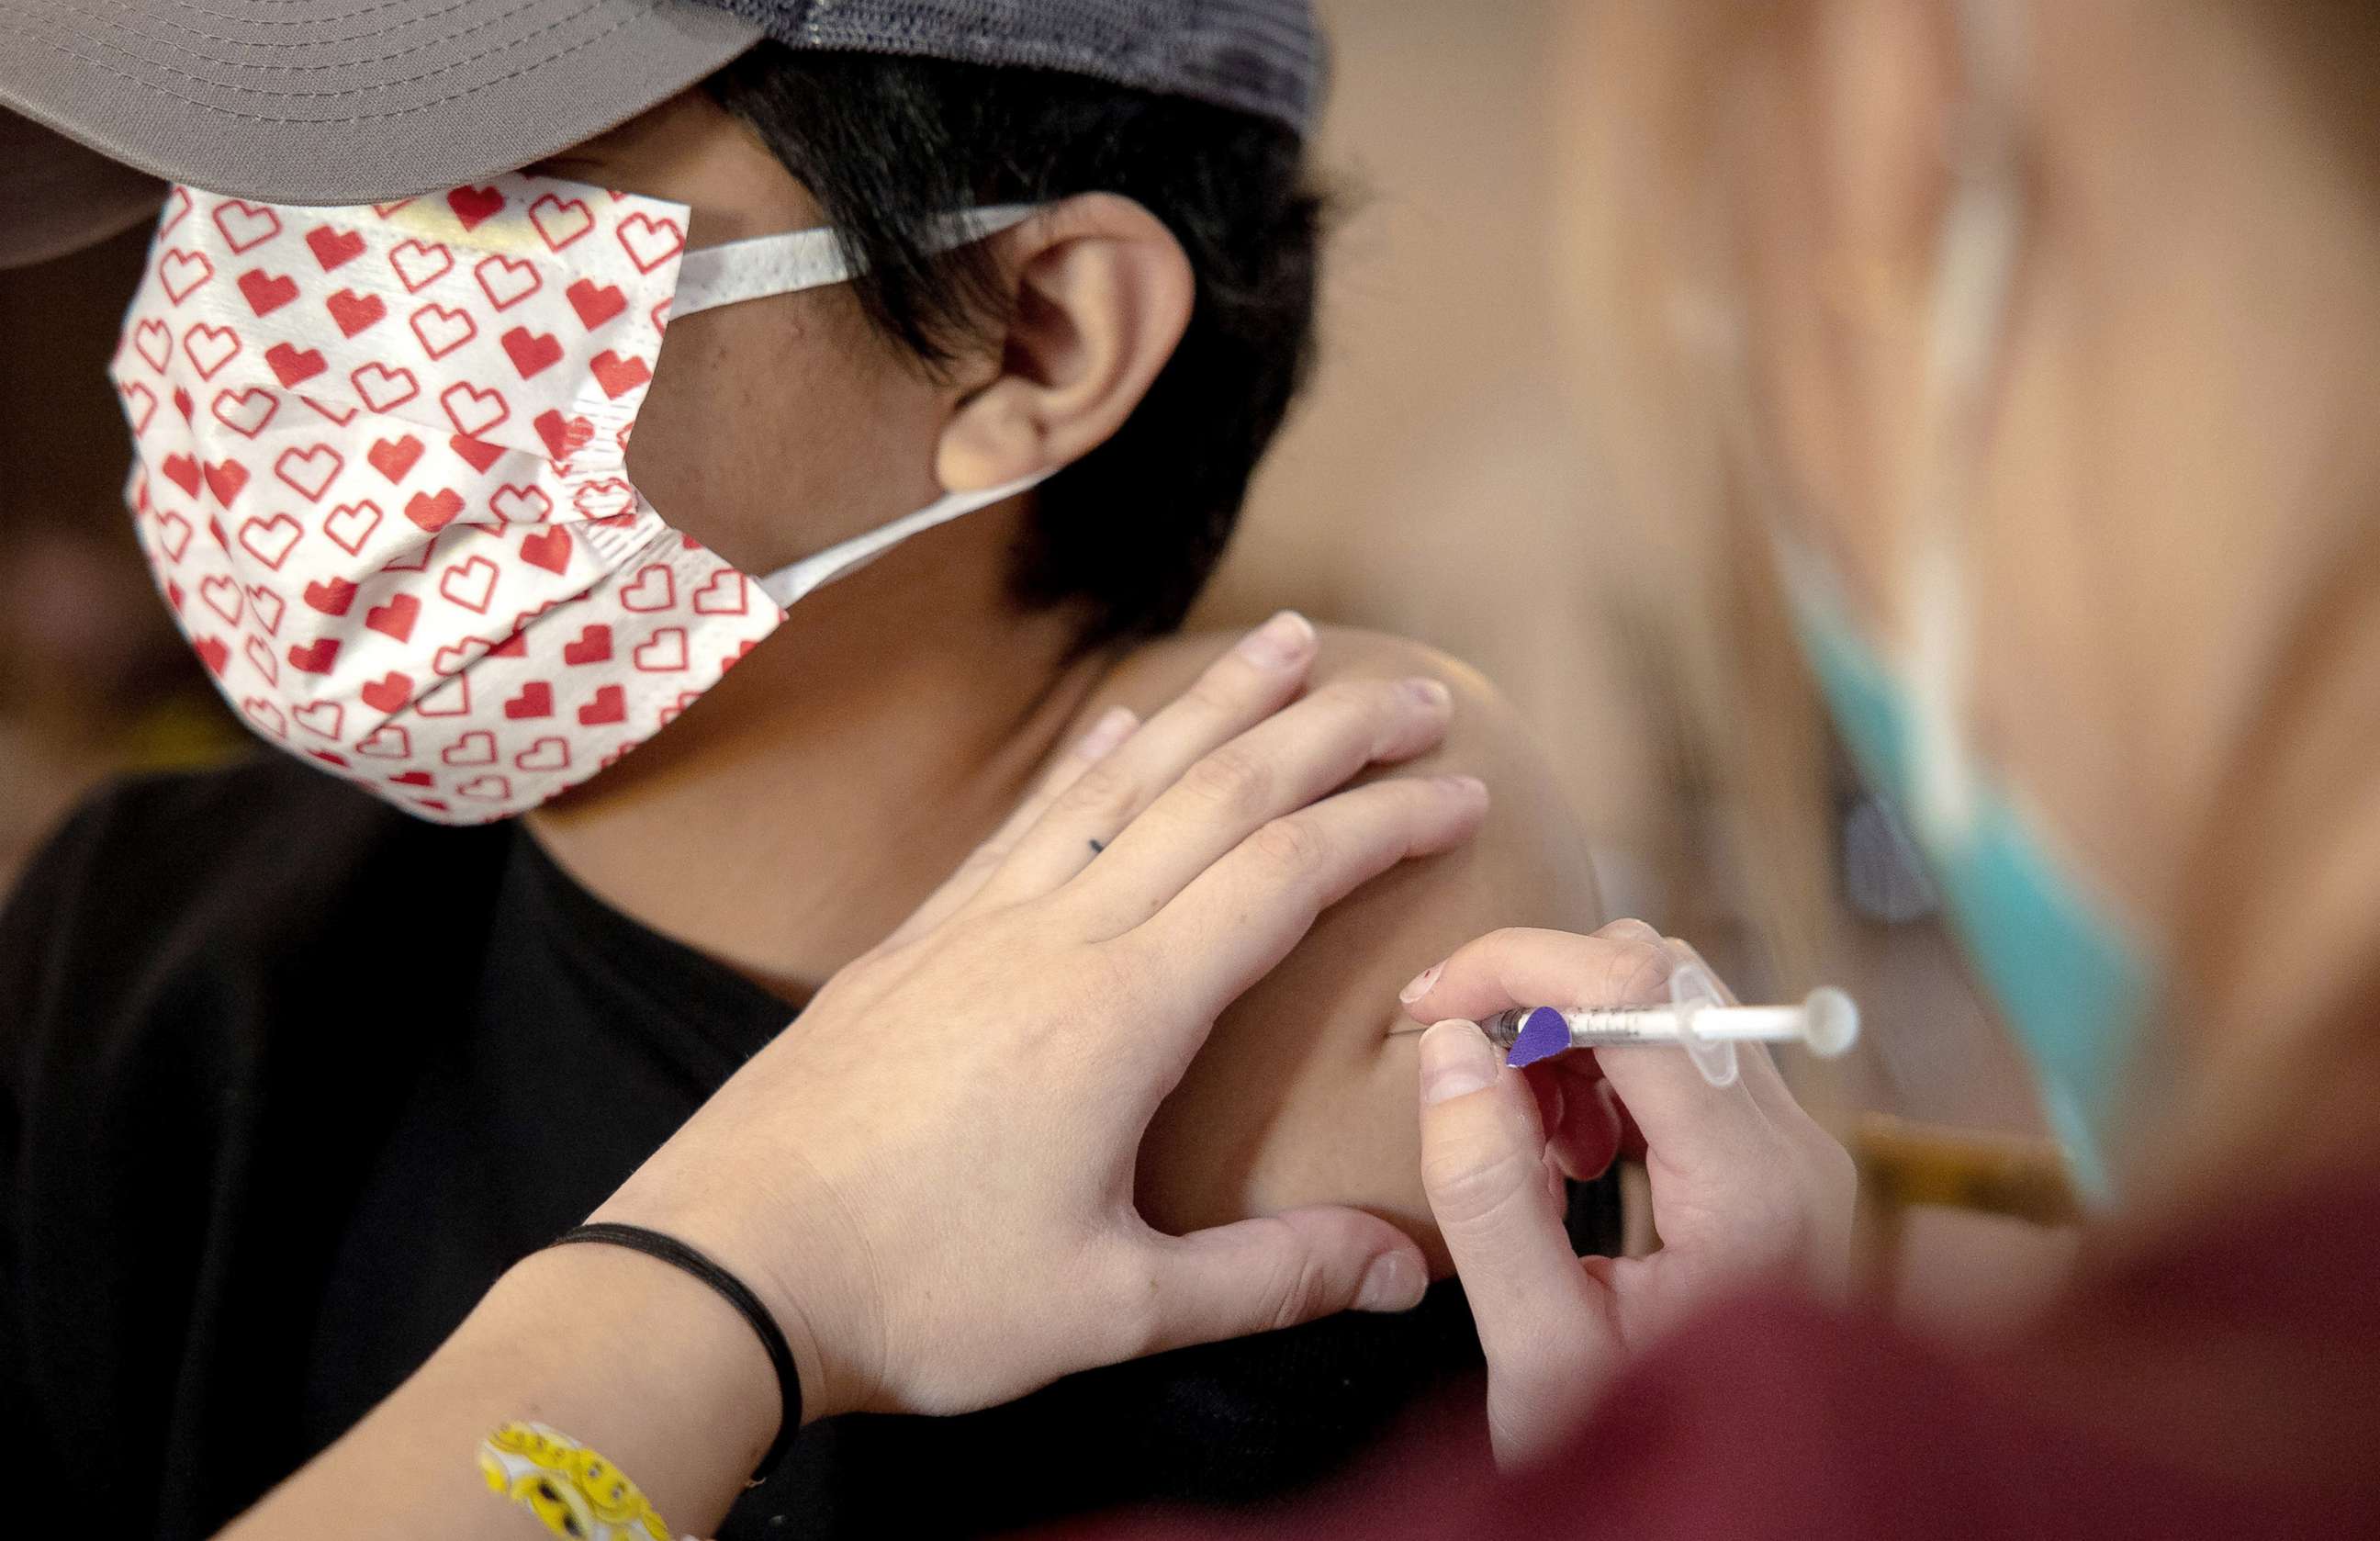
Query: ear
x=1099 y=294
x=1837 y=116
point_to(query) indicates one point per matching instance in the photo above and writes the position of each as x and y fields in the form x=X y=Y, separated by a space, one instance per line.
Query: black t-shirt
x=291 y=1079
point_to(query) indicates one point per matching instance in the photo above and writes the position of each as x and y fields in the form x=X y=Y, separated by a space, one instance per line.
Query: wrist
x=630 y=1356
x=786 y=1251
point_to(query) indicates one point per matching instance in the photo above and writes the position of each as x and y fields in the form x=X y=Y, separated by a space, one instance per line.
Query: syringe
x=1698 y=1019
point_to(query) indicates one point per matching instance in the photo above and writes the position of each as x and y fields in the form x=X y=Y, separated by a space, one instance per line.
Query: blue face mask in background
x=2073 y=988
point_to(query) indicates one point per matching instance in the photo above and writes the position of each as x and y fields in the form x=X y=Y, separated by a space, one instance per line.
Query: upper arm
x=1302 y=1096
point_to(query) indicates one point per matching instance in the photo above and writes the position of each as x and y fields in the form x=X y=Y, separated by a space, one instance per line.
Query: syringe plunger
x=1827 y=1022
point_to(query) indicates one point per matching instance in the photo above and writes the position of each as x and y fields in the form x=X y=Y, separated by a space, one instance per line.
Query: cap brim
x=331 y=101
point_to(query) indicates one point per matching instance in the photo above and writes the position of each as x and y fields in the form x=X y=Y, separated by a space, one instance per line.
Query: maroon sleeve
x=1772 y=1418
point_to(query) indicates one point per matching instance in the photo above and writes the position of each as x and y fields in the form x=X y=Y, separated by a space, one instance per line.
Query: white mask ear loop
x=1974 y=273
x=764 y=265
x=792 y=581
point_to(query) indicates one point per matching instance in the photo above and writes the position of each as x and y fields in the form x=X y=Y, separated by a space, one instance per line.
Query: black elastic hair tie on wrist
x=670 y=1250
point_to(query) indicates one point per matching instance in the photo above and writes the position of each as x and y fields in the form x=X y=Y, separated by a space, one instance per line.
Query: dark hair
x=1132 y=531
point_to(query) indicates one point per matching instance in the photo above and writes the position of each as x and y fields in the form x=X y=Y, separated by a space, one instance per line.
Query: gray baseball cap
x=362 y=100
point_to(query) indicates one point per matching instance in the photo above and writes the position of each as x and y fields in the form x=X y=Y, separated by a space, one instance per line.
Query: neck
x=811 y=799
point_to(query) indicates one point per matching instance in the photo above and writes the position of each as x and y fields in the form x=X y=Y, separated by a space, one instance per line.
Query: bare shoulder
x=1532 y=834
x=1305 y=1093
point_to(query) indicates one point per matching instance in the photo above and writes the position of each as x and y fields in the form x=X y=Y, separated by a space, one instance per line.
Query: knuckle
x=1216 y=693
x=1474 y=1186
x=1630 y=928
x=1639 y=970
x=1297 y=1287
x=1292 y=843
x=1102 y=789
x=1370 y=708
x=1231 y=778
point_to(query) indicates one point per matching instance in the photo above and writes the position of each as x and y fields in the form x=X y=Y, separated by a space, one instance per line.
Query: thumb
x=1279 y=1270
x=1483 y=1163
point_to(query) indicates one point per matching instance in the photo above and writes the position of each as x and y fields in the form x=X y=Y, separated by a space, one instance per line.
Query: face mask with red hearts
x=381 y=476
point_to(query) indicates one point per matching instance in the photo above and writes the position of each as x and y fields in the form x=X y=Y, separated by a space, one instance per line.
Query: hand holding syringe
x=1699 y=1019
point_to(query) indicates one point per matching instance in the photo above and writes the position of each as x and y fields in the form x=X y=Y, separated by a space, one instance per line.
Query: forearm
x=624 y=1354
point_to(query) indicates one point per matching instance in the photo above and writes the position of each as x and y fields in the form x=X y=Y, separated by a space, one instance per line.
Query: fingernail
x=1429 y=692
x=1470 y=786
x=1280 y=642
x=1393 y=1282
x=1421 y=983
x=1106 y=734
x=1456 y=1060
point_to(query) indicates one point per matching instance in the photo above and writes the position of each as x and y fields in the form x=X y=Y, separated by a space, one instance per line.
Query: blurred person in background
x=293 y=1076
x=2032 y=345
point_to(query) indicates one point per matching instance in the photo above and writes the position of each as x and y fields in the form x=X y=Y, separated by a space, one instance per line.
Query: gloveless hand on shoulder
x=929 y=1177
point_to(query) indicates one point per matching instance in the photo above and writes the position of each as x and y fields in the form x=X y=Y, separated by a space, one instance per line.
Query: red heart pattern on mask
x=309 y=471
x=315 y=657
x=663 y=652
x=434 y=511
x=594 y=645
x=506 y=280
x=560 y=221
x=153 y=340
x=419 y=264
x=618 y=376
x=331 y=596
x=323 y=718
x=604 y=620
x=225 y=478
x=291 y=364
x=245 y=225
x=549 y=549
x=395 y=618
x=478 y=453
x=531 y=352
x=265 y=292
x=351 y=524
x=209 y=347
x=183 y=272
x=332 y=247
x=649 y=242
x=268 y=608
x=595 y=303
x=474 y=206
x=245 y=412
x=223 y=596
x=394 y=457
x=442 y=331
x=352 y=312
x=140 y=402
x=520 y=505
